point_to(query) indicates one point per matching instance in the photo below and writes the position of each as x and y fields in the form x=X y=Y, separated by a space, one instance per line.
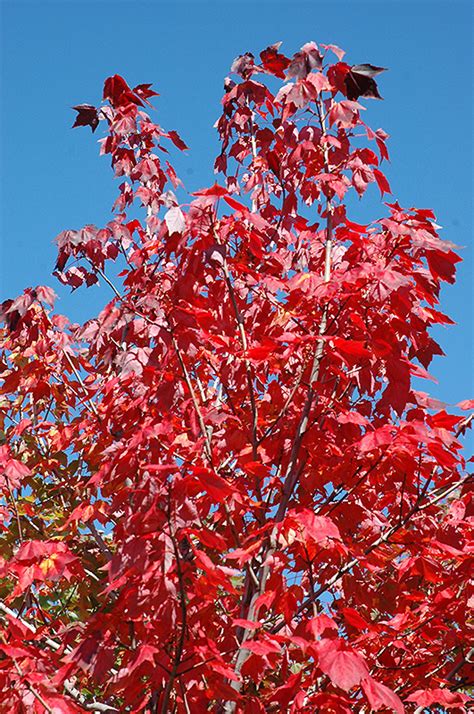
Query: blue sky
x=56 y=54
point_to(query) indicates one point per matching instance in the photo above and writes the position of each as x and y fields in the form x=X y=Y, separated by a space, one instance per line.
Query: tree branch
x=292 y=471
x=182 y=599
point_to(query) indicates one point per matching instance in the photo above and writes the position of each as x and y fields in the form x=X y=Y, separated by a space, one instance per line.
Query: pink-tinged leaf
x=244 y=65
x=319 y=81
x=353 y=418
x=344 y=114
x=304 y=61
x=466 y=404
x=175 y=221
x=45 y=294
x=345 y=668
x=443 y=697
x=243 y=555
x=262 y=647
x=21 y=304
x=246 y=624
x=420 y=372
x=381 y=697
x=318 y=528
x=336 y=50
x=22 y=426
x=319 y=624
x=376 y=439
x=15 y=471
x=30 y=551
x=427 y=402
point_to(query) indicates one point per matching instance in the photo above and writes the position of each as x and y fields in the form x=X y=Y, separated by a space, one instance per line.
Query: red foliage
x=224 y=493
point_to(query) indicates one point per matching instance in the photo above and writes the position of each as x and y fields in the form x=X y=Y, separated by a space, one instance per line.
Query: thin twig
x=187 y=379
x=244 y=343
x=81 y=382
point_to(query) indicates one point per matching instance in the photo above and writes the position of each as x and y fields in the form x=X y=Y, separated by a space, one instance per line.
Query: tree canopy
x=225 y=492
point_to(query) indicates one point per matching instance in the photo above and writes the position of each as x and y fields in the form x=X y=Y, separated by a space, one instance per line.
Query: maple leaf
x=307 y=59
x=444 y=697
x=46 y=294
x=177 y=141
x=317 y=527
x=376 y=439
x=336 y=50
x=273 y=61
x=319 y=624
x=466 y=404
x=15 y=471
x=345 y=668
x=215 y=190
x=382 y=182
x=144 y=92
x=30 y=551
x=244 y=65
x=262 y=647
x=381 y=697
x=345 y=113
x=175 y=220
x=360 y=82
x=87 y=115
x=117 y=91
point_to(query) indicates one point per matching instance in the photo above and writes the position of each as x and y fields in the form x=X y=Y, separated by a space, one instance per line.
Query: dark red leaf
x=273 y=61
x=359 y=81
x=87 y=115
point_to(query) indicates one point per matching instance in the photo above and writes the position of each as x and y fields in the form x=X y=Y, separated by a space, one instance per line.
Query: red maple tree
x=224 y=493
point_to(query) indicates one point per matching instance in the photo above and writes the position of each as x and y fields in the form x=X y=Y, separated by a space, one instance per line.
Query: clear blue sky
x=56 y=54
